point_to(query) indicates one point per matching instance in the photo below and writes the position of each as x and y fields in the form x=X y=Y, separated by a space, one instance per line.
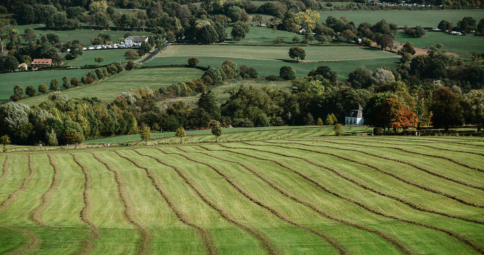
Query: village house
x=355 y=117
x=23 y=67
x=130 y=41
x=41 y=62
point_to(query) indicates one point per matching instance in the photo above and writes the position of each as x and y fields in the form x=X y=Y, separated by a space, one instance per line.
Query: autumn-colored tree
x=307 y=19
x=395 y=115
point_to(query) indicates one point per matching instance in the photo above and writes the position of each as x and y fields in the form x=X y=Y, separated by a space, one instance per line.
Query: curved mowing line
x=330 y=240
x=180 y=148
x=88 y=244
x=37 y=212
x=128 y=208
x=477 y=247
x=34 y=241
x=419 y=167
x=440 y=141
x=310 y=134
x=206 y=237
x=266 y=242
x=374 y=190
x=22 y=187
x=381 y=170
x=6 y=164
x=391 y=239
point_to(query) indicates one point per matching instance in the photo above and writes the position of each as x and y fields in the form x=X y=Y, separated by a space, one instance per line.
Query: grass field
x=113 y=86
x=24 y=79
x=401 y=18
x=109 y=56
x=304 y=195
x=465 y=44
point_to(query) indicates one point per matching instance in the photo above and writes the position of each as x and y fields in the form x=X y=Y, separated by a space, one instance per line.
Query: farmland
x=110 y=56
x=111 y=87
x=306 y=194
x=464 y=44
x=402 y=18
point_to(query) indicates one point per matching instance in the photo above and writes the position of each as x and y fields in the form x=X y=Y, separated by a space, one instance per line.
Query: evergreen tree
x=329 y=120
x=208 y=102
x=320 y=122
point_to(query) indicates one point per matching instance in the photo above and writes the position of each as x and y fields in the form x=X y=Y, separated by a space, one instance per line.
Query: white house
x=23 y=66
x=355 y=117
x=130 y=40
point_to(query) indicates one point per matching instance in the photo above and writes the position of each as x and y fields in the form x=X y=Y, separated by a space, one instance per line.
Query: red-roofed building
x=40 y=62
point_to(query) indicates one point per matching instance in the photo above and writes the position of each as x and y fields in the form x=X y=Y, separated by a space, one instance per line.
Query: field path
x=22 y=187
x=266 y=242
x=128 y=208
x=374 y=190
x=340 y=248
x=378 y=169
x=88 y=244
x=33 y=243
x=204 y=233
x=6 y=164
x=37 y=212
x=477 y=247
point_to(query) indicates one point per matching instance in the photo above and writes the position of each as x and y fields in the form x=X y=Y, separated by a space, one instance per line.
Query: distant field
x=271 y=67
x=110 y=56
x=452 y=43
x=24 y=79
x=303 y=195
x=401 y=18
x=113 y=86
x=327 y=53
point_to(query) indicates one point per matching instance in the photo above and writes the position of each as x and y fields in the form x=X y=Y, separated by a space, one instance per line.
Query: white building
x=130 y=40
x=355 y=117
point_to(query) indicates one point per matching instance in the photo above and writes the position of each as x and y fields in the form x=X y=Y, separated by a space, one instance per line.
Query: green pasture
x=305 y=194
x=111 y=87
x=402 y=18
x=24 y=79
x=454 y=43
x=109 y=55
x=272 y=67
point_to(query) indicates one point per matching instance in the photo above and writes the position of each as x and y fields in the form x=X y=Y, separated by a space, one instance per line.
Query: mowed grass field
x=303 y=195
x=111 y=87
x=110 y=56
x=401 y=18
x=24 y=79
x=464 y=44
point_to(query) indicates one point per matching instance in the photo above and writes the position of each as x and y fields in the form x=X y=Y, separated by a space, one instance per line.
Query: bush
x=130 y=65
x=338 y=129
x=131 y=54
x=367 y=42
x=272 y=78
x=287 y=73
x=15 y=98
x=252 y=72
x=74 y=82
x=89 y=80
x=42 y=88
x=30 y=91
x=54 y=85
x=193 y=61
x=378 y=131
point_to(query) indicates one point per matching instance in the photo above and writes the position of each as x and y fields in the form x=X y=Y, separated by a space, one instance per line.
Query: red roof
x=41 y=61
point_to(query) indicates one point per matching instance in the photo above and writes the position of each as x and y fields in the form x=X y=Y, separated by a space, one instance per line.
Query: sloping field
x=109 y=56
x=304 y=195
x=469 y=43
x=326 y=53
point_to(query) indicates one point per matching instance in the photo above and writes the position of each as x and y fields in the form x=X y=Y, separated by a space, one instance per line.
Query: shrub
x=252 y=72
x=131 y=54
x=130 y=65
x=30 y=91
x=319 y=122
x=15 y=98
x=378 y=131
x=287 y=73
x=89 y=80
x=54 y=85
x=193 y=61
x=74 y=82
x=338 y=129
x=367 y=42
x=42 y=88
x=272 y=78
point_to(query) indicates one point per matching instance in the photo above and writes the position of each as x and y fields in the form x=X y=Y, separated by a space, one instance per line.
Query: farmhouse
x=131 y=40
x=355 y=117
x=23 y=66
x=40 y=62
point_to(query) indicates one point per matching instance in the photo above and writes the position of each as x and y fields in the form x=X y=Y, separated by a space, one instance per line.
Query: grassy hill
x=306 y=194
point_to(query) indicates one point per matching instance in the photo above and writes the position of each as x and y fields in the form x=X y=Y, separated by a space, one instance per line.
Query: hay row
x=37 y=212
x=88 y=243
x=128 y=208
x=23 y=186
x=265 y=241
x=452 y=234
x=182 y=217
x=32 y=245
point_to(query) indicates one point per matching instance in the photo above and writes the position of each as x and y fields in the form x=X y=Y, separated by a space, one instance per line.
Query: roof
x=356 y=113
x=41 y=61
x=137 y=38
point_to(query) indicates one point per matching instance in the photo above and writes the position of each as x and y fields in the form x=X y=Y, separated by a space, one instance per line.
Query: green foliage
x=207 y=35
x=30 y=91
x=338 y=129
x=208 y=102
x=18 y=91
x=130 y=65
x=446 y=110
x=297 y=52
x=74 y=82
x=252 y=72
x=131 y=54
x=99 y=59
x=54 y=85
x=319 y=122
x=180 y=132
x=53 y=138
x=193 y=61
x=145 y=132
x=329 y=119
x=287 y=73
x=42 y=88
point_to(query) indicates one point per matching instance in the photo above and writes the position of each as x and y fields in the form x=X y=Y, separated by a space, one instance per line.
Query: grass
x=463 y=44
x=362 y=194
x=24 y=79
x=401 y=18
x=111 y=87
x=109 y=56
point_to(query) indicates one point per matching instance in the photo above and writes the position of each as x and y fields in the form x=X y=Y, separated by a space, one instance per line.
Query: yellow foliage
x=98 y=7
x=307 y=19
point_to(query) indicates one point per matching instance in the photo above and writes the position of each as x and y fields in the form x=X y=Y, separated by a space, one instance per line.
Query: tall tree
x=473 y=104
x=446 y=110
x=297 y=52
x=208 y=102
x=29 y=35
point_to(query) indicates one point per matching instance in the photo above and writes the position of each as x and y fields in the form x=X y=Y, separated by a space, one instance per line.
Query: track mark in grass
x=381 y=170
x=266 y=242
x=23 y=186
x=389 y=238
x=88 y=244
x=245 y=193
x=37 y=212
x=374 y=190
x=206 y=237
x=6 y=164
x=444 y=141
x=180 y=148
x=128 y=207
x=475 y=246
x=33 y=243
x=417 y=166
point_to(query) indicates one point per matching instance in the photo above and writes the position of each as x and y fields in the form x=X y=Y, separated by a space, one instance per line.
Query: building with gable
x=355 y=117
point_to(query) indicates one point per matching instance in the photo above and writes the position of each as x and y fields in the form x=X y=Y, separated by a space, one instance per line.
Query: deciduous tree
x=446 y=110
x=180 y=132
x=297 y=52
